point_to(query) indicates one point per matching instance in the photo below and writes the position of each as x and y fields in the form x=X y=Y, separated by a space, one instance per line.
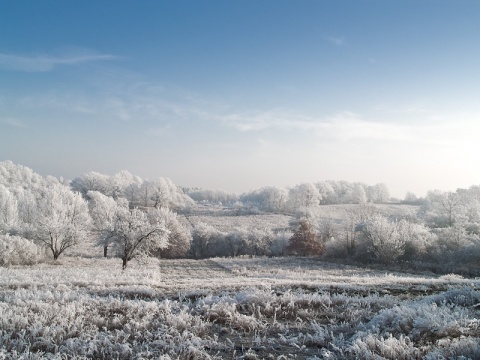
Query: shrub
x=16 y=250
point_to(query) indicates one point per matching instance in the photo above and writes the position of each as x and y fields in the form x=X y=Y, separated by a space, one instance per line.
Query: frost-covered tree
x=259 y=241
x=138 y=233
x=133 y=193
x=382 y=239
x=179 y=237
x=27 y=207
x=327 y=230
x=103 y=210
x=13 y=175
x=9 y=215
x=342 y=192
x=303 y=196
x=208 y=196
x=460 y=209
x=268 y=198
x=410 y=198
x=470 y=211
x=326 y=191
x=157 y=193
x=418 y=239
x=236 y=242
x=120 y=182
x=348 y=230
x=162 y=192
x=132 y=232
x=92 y=181
x=359 y=195
x=62 y=219
x=378 y=193
x=341 y=238
x=443 y=207
x=275 y=198
x=204 y=237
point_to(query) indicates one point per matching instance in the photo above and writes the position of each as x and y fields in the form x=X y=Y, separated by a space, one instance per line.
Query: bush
x=16 y=250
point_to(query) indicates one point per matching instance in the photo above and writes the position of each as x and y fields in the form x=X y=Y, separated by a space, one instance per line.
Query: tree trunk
x=105 y=250
x=124 y=263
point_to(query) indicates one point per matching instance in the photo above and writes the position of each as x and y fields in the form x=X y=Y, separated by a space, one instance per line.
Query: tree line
x=281 y=200
x=130 y=217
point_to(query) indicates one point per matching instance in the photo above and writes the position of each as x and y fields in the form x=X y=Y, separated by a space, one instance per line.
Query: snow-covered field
x=272 y=308
x=225 y=220
x=228 y=223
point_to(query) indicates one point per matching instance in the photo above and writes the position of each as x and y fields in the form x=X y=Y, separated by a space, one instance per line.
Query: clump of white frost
x=16 y=250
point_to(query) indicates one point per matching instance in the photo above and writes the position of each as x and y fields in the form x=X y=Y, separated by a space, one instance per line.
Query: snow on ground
x=278 y=308
x=228 y=223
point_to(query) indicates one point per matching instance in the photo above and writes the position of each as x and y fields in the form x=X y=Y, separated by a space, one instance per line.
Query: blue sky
x=241 y=94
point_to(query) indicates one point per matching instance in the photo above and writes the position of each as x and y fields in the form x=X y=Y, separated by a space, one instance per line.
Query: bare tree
x=444 y=204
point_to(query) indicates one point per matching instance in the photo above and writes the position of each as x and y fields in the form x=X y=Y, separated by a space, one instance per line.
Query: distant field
x=224 y=219
x=228 y=223
x=216 y=217
x=338 y=211
x=242 y=308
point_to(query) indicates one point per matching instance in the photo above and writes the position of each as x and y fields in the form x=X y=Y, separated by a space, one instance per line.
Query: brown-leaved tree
x=304 y=241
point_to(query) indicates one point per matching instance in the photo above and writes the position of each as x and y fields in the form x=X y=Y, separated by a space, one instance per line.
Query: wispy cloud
x=411 y=113
x=13 y=122
x=150 y=106
x=347 y=126
x=159 y=130
x=335 y=40
x=45 y=63
x=281 y=119
x=408 y=109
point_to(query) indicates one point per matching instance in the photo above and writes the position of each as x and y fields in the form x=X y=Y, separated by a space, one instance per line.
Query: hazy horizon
x=240 y=95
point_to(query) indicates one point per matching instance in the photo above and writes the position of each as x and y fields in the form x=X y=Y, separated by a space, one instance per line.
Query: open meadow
x=246 y=180
x=233 y=308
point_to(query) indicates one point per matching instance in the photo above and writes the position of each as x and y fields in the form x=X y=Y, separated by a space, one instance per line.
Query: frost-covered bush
x=335 y=248
x=463 y=348
x=454 y=250
x=205 y=240
x=179 y=237
x=431 y=320
x=386 y=240
x=16 y=250
x=280 y=242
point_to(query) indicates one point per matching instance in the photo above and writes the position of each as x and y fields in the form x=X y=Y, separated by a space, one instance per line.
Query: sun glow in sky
x=241 y=94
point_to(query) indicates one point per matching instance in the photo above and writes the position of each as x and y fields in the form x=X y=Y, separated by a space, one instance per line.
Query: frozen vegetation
x=116 y=267
x=278 y=308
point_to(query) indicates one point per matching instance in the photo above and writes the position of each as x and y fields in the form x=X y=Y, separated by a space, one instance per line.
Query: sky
x=237 y=95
